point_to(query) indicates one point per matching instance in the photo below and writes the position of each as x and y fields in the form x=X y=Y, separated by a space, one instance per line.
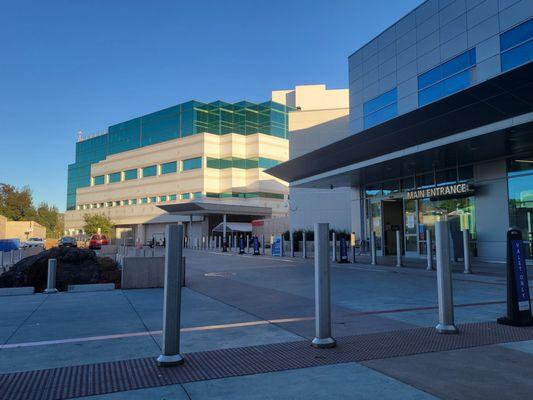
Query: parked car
x=97 y=241
x=33 y=242
x=67 y=241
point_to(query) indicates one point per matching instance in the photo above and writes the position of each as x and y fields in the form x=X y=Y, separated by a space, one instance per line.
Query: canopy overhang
x=205 y=208
x=491 y=119
x=233 y=227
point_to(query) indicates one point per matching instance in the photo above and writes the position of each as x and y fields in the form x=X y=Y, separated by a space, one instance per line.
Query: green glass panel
x=153 y=199
x=173 y=197
x=130 y=174
x=185 y=196
x=144 y=200
x=114 y=177
x=161 y=126
x=133 y=201
x=192 y=163
x=197 y=195
x=149 y=171
x=169 y=167
x=125 y=136
x=163 y=198
x=267 y=162
x=99 y=180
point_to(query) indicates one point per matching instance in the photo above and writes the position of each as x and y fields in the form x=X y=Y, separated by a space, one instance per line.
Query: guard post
x=518 y=299
x=51 y=279
x=256 y=246
x=304 y=245
x=334 y=247
x=429 y=250
x=444 y=279
x=172 y=297
x=241 y=244
x=373 y=259
x=323 y=337
x=399 y=261
x=353 y=241
x=466 y=251
x=291 y=238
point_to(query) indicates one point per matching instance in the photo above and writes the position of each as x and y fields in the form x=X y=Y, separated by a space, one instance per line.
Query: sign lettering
x=457 y=189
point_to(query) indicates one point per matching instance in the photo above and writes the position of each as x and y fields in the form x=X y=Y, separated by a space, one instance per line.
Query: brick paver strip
x=117 y=376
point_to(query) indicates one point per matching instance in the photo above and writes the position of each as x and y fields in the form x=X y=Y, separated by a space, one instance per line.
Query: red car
x=97 y=241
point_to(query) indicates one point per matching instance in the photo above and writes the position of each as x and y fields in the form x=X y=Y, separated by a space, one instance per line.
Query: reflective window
x=99 y=180
x=125 y=202
x=192 y=163
x=447 y=78
x=173 y=197
x=149 y=171
x=196 y=195
x=163 y=198
x=267 y=162
x=520 y=185
x=153 y=199
x=185 y=196
x=144 y=200
x=373 y=190
x=133 y=201
x=380 y=109
x=425 y=181
x=114 y=177
x=130 y=174
x=446 y=177
x=390 y=187
x=518 y=35
x=169 y=167
x=408 y=183
x=517 y=56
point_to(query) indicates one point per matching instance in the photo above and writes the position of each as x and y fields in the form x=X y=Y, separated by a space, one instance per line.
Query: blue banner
x=276 y=246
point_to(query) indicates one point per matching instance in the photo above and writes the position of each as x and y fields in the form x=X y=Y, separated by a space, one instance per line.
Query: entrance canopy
x=233 y=227
x=491 y=119
x=204 y=208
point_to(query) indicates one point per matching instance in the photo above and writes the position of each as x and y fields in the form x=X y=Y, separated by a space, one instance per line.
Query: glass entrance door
x=411 y=228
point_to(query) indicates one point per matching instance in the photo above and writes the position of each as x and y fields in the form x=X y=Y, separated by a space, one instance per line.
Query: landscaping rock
x=74 y=266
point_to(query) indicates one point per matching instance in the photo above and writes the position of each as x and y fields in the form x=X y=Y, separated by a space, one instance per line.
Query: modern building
x=440 y=126
x=194 y=163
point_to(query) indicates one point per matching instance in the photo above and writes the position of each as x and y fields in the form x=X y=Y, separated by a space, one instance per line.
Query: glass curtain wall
x=520 y=186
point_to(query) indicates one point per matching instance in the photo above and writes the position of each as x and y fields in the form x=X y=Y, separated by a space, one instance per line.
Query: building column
x=140 y=234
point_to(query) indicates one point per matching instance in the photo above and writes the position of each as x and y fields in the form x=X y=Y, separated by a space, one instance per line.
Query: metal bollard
x=399 y=262
x=323 y=337
x=172 y=298
x=334 y=248
x=373 y=248
x=304 y=245
x=51 y=281
x=263 y=244
x=183 y=268
x=444 y=279
x=429 y=251
x=291 y=238
x=466 y=250
x=12 y=257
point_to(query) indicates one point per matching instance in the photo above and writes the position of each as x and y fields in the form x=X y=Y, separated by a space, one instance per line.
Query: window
x=114 y=177
x=144 y=200
x=516 y=46
x=163 y=198
x=133 y=202
x=447 y=78
x=192 y=163
x=173 y=197
x=185 y=196
x=153 y=199
x=116 y=203
x=130 y=174
x=380 y=109
x=169 y=167
x=99 y=180
x=267 y=162
x=125 y=202
x=150 y=171
x=197 y=195
x=109 y=204
x=520 y=181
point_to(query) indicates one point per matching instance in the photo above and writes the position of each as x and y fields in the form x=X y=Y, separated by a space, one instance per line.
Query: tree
x=50 y=217
x=95 y=222
x=16 y=204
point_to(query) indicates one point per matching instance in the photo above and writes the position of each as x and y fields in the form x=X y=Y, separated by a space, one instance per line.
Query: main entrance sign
x=457 y=189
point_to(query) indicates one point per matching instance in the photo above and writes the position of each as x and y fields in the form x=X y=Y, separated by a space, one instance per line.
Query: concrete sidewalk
x=236 y=301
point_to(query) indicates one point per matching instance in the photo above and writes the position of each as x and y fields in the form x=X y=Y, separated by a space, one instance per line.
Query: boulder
x=74 y=266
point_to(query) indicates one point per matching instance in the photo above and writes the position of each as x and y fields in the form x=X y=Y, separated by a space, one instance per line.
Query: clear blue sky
x=67 y=66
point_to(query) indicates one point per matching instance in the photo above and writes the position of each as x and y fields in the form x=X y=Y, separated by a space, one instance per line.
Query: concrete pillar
x=172 y=298
x=323 y=337
x=51 y=279
x=444 y=279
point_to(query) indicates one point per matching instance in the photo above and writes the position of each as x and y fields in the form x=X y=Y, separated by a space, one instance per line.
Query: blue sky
x=67 y=66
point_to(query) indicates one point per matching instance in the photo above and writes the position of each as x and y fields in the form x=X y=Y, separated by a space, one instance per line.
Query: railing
x=10 y=258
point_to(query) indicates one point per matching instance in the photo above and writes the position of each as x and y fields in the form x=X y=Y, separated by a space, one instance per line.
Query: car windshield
x=68 y=239
x=35 y=239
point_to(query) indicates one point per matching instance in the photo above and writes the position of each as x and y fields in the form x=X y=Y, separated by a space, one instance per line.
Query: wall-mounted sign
x=455 y=190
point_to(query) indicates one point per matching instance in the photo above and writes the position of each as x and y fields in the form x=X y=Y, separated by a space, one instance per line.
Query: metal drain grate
x=95 y=379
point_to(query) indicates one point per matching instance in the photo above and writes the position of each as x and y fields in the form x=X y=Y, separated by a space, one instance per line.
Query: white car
x=33 y=242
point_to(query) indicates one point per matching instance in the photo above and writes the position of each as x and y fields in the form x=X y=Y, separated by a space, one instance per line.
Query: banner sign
x=343 y=250
x=520 y=273
x=256 y=245
x=455 y=190
x=518 y=300
x=276 y=246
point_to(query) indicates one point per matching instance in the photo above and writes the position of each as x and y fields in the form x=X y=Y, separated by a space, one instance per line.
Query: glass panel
x=446 y=87
x=521 y=206
x=517 y=56
x=466 y=173
x=99 y=180
x=410 y=217
x=408 y=183
x=212 y=163
x=267 y=162
x=133 y=201
x=197 y=195
x=153 y=199
x=149 y=171
x=375 y=210
x=169 y=167
x=425 y=181
x=446 y=177
x=517 y=35
x=447 y=69
x=186 y=196
x=192 y=163
x=380 y=116
x=173 y=197
x=520 y=167
x=130 y=174
x=411 y=243
x=114 y=177
x=379 y=102
x=163 y=198
x=144 y=200
x=390 y=187
x=373 y=190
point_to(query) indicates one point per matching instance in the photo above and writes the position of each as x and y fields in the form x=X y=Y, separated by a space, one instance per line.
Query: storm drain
x=118 y=376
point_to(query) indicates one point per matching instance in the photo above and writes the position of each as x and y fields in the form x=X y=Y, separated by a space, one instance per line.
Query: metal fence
x=10 y=258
